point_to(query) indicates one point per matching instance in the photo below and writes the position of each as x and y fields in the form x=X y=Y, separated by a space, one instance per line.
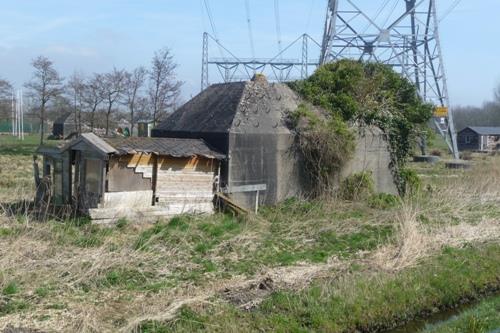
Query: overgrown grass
x=358 y=302
x=75 y=276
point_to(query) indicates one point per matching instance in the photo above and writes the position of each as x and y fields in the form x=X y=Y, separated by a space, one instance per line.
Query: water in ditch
x=440 y=318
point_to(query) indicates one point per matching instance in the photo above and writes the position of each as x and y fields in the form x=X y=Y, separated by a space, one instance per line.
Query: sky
x=90 y=36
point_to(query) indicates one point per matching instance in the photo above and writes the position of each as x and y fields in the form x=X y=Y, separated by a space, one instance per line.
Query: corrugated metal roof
x=485 y=130
x=163 y=146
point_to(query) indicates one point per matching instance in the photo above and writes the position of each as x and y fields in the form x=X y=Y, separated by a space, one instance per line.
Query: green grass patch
x=80 y=234
x=364 y=302
x=10 y=145
x=483 y=318
x=126 y=278
x=12 y=306
x=10 y=288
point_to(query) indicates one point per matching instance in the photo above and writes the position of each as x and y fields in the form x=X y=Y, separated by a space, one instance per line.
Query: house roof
x=163 y=146
x=67 y=116
x=484 y=130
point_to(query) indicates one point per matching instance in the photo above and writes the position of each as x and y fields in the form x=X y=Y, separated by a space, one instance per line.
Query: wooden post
x=76 y=182
x=104 y=177
x=257 y=202
x=154 y=178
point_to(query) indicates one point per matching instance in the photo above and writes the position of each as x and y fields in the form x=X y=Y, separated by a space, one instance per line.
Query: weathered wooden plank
x=169 y=200
x=136 y=199
x=192 y=194
x=247 y=188
x=157 y=211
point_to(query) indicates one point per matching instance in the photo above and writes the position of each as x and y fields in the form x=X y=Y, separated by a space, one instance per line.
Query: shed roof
x=158 y=146
x=163 y=146
x=483 y=130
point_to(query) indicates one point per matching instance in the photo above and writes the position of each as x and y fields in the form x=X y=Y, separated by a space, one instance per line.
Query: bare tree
x=93 y=96
x=164 y=89
x=44 y=86
x=5 y=97
x=75 y=87
x=114 y=87
x=497 y=94
x=5 y=89
x=133 y=83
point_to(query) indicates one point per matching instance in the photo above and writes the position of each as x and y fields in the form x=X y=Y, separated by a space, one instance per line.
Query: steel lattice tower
x=232 y=68
x=408 y=40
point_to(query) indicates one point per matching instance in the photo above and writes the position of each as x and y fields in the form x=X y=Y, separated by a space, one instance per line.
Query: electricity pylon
x=403 y=34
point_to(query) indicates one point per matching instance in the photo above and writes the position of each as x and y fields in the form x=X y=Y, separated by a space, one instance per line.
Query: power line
x=390 y=13
x=211 y=19
x=449 y=10
x=376 y=15
x=309 y=16
x=278 y=23
x=250 y=32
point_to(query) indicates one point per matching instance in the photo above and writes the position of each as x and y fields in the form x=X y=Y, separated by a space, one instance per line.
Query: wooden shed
x=479 y=138
x=135 y=178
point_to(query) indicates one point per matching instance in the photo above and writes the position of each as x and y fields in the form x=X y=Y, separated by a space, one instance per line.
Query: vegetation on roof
x=370 y=94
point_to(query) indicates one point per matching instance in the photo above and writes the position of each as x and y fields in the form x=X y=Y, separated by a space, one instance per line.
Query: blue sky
x=95 y=35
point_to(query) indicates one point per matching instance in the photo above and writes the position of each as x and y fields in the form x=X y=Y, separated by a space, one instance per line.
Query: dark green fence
x=29 y=127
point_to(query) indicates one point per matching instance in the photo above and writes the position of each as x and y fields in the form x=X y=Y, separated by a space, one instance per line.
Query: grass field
x=326 y=265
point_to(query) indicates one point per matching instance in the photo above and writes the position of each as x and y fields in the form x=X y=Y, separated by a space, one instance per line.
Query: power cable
x=250 y=32
x=278 y=23
x=211 y=19
x=309 y=16
x=449 y=10
x=390 y=13
x=376 y=15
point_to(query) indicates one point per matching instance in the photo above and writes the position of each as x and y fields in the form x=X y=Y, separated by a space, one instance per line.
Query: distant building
x=65 y=126
x=144 y=128
x=479 y=138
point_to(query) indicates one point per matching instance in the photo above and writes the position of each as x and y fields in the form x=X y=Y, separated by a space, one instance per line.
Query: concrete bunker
x=249 y=123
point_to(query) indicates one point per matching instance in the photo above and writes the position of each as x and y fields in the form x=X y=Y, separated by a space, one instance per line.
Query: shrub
x=370 y=94
x=383 y=201
x=409 y=182
x=326 y=144
x=437 y=152
x=358 y=186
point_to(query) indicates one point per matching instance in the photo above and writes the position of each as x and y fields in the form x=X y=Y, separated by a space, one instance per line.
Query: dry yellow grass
x=66 y=274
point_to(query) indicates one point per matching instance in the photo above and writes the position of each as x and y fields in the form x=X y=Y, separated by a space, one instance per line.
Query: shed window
x=468 y=139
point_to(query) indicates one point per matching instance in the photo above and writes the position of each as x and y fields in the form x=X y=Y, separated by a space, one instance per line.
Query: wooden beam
x=154 y=179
